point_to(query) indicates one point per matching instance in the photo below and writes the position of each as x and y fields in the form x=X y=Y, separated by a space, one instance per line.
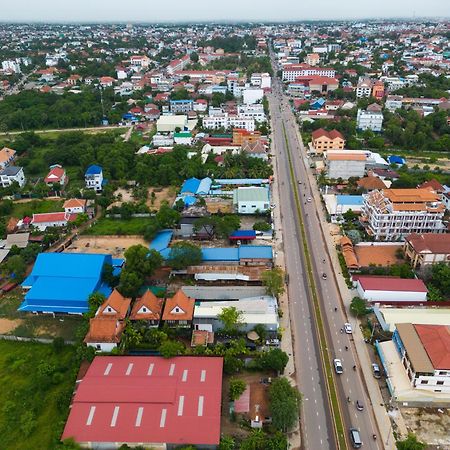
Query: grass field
x=37 y=383
x=36 y=206
x=105 y=226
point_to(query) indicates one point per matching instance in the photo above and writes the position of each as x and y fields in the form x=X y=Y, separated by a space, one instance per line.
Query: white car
x=338 y=366
x=348 y=328
x=309 y=199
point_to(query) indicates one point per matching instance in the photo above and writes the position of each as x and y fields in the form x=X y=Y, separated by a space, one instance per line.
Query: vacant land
x=106 y=226
x=37 y=383
x=113 y=245
x=167 y=194
x=29 y=325
x=26 y=207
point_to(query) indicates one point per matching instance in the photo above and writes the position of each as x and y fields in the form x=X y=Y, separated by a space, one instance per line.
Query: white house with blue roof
x=94 y=178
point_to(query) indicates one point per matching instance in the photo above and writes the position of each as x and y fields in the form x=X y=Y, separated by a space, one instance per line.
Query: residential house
x=426 y=249
x=249 y=200
x=147 y=309
x=75 y=206
x=364 y=88
x=94 y=178
x=55 y=219
x=378 y=90
x=7 y=156
x=56 y=175
x=183 y=138
x=323 y=140
x=107 y=81
x=392 y=214
x=179 y=310
x=12 y=174
x=313 y=59
x=181 y=106
x=106 y=328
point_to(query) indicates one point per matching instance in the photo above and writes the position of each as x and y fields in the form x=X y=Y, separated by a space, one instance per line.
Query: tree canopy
x=184 y=254
x=231 y=319
x=284 y=404
x=273 y=280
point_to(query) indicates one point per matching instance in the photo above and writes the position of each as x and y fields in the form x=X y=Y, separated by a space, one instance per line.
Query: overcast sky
x=204 y=10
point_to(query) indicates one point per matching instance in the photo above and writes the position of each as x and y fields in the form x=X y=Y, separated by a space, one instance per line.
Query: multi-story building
x=261 y=80
x=393 y=102
x=345 y=164
x=94 y=178
x=364 y=88
x=255 y=111
x=181 y=106
x=391 y=214
x=10 y=175
x=370 y=118
x=378 y=90
x=11 y=66
x=312 y=59
x=292 y=71
x=427 y=249
x=226 y=121
x=300 y=90
x=323 y=140
x=425 y=355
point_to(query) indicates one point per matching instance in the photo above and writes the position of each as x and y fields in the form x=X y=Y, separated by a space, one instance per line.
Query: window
x=144 y=309
x=439 y=383
x=423 y=381
x=442 y=372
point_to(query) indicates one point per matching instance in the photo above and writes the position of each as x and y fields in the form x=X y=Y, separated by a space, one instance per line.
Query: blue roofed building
x=62 y=282
x=194 y=186
x=245 y=254
x=161 y=242
x=337 y=205
x=394 y=159
x=94 y=178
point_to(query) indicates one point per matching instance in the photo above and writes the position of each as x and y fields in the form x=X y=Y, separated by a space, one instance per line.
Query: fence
x=8 y=337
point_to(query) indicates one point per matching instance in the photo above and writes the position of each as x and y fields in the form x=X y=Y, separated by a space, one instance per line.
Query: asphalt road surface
x=317 y=429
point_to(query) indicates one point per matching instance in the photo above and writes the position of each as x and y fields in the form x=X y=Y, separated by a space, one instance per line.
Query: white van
x=355 y=438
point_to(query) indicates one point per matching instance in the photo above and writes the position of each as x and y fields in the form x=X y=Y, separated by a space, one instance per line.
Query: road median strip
x=326 y=362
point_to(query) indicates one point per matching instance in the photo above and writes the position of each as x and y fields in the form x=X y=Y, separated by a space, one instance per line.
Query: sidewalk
x=362 y=349
x=294 y=437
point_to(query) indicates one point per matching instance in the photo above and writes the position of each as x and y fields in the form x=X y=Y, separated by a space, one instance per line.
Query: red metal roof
x=374 y=283
x=148 y=399
x=436 y=342
x=51 y=217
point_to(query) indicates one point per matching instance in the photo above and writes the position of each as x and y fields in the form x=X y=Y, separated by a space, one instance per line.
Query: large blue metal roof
x=237 y=253
x=161 y=241
x=62 y=282
x=190 y=186
x=93 y=170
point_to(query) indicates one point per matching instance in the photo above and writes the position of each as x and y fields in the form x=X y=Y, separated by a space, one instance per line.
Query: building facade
x=427 y=249
x=369 y=120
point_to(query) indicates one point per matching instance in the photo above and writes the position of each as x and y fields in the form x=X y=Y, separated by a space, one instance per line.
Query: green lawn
x=106 y=226
x=36 y=206
x=35 y=396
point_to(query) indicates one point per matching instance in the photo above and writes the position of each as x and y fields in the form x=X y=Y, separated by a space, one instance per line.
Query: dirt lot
x=161 y=194
x=7 y=325
x=429 y=425
x=114 y=245
x=126 y=197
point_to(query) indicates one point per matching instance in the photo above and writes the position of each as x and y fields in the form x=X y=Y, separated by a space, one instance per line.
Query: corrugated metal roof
x=161 y=241
x=414 y=348
x=248 y=194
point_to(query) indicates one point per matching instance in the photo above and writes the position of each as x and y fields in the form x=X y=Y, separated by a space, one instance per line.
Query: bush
x=169 y=349
x=262 y=226
x=237 y=388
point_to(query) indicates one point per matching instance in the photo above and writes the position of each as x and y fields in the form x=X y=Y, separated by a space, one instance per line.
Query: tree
x=274 y=359
x=130 y=283
x=142 y=261
x=131 y=337
x=108 y=275
x=184 y=254
x=226 y=443
x=410 y=443
x=440 y=279
x=94 y=302
x=284 y=404
x=194 y=57
x=237 y=388
x=16 y=268
x=231 y=319
x=273 y=280
x=262 y=226
x=169 y=349
x=358 y=307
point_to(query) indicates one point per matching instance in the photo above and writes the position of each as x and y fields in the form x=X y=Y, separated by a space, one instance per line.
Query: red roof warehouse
x=148 y=400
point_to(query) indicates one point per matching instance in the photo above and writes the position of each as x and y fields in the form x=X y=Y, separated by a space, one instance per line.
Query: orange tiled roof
x=411 y=195
x=369 y=183
x=75 y=203
x=103 y=329
x=118 y=303
x=181 y=301
x=151 y=305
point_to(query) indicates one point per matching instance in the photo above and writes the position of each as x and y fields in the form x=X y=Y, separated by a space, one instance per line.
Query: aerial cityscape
x=225 y=230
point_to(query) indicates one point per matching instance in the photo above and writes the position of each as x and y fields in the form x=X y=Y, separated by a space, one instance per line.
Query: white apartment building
x=369 y=120
x=393 y=102
x=292 y=71
x=255 y=111
x=425 y=355
x=12 y=174
x=392 y=214
x=11 y=66
x=226 y=121
x=364 y=88
x=261 y=80
x=252 y=95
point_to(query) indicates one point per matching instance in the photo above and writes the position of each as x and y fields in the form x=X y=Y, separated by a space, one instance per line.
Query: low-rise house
x=179 y=310
x=12 y=174
x=55 y=219
x=75 y=206
x=7 y=157
x=56 y=175
x=94 y=178
x=426 y=249
x=258 y=310
x=147 y=309
x=183 y=138
x=390 y=289
x=249 y=200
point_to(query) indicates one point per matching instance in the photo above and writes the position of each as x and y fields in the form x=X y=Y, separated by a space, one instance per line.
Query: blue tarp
x=62 y=282
x=394 y=159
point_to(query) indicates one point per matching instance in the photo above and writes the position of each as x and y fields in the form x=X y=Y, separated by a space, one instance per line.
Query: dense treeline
x=432 y=87
x=31 y=110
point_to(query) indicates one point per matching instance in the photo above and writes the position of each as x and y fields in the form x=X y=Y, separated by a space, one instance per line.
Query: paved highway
x=317 y=429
